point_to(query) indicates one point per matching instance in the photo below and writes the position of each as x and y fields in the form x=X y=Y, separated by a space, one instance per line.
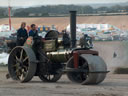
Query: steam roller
x=55 y=54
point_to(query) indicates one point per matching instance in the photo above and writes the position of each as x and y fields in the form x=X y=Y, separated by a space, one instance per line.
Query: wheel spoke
x=17 y=59
x=25 y=59
x=23 y=73
x=15 y=65
x=22 y=76
x=25 y=68
x=21 y=54
x=17 y=72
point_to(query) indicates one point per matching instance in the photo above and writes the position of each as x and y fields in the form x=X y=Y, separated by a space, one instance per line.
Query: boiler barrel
x=60 y=56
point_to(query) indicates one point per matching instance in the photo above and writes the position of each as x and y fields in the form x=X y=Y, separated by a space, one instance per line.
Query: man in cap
x=33 y=32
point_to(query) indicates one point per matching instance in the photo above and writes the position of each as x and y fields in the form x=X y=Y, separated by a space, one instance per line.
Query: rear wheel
x=47 y=73
x=50 y=78
x=21 y=64
x=93 y=66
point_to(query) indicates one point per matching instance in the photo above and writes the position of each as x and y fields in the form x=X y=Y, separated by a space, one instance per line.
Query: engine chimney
x=73 y=28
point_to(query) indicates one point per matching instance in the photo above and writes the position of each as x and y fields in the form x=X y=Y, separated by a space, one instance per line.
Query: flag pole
x=9 y=14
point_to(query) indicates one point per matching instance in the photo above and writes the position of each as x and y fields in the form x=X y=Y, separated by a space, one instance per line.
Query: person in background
x=86 y=41
x=33 y=32
x=22 y=35
x=66 y=39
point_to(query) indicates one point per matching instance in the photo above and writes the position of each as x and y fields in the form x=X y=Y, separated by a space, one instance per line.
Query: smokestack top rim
x=73 y=11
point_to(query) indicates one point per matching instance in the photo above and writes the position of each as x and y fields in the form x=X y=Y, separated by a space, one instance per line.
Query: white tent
x=5 y=30
x=4 y=58
x=94 y=30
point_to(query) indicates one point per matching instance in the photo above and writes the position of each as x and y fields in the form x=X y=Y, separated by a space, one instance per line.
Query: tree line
x=3 y=12
x=54 y=10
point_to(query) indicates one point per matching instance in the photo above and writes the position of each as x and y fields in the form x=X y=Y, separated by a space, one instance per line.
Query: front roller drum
x=94 y=70
x=22 y=64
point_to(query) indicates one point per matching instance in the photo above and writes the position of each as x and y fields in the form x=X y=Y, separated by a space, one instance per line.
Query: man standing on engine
x=22 y=35
x=66 y=39
x=33 y=32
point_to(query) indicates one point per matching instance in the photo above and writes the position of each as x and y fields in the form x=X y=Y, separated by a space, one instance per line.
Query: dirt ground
x=62 y=22
x=107 y=49
x=114 y=85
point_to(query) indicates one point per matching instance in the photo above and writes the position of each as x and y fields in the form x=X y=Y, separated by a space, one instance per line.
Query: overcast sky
x=25 y=3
